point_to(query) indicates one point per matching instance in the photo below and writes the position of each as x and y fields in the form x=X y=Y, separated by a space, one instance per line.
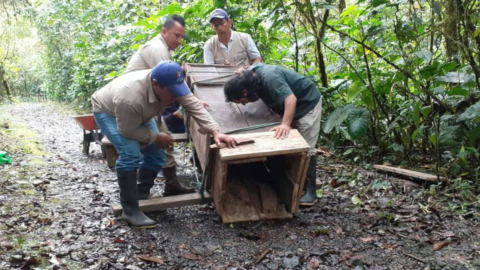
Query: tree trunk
x=451 y=29
x=341 y=6
x=7 y=88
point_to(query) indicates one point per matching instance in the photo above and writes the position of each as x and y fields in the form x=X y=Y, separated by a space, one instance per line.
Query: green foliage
x=337 y=117
x=358 y=121
x=392 y=84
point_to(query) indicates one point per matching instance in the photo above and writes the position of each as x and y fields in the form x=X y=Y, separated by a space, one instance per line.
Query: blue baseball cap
x=218 y=14
x=169 y=74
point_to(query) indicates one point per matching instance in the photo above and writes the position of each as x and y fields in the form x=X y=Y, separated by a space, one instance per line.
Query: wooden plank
x=247 y=160
x=200 y=141
x=217 y=182
x=237 y=204
x=256 y=113
x=282 y=183
x=269 y=199
x=408 y=174
x=227 y=116
x=179 y=137
x=254 y=194
x=266 y=145
x=280 y=211
x=240 y=141
x=303 y=178
x=163 y=203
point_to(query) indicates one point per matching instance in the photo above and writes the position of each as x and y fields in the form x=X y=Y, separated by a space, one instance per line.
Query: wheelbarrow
x=91 y=132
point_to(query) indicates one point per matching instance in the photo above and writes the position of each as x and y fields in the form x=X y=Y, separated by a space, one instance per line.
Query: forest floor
x=55 y=213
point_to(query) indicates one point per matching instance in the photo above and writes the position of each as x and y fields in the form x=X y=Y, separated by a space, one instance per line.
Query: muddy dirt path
x=55 y=212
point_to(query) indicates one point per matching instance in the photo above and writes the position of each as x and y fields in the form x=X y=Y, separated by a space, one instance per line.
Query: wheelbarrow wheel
x=86 y=147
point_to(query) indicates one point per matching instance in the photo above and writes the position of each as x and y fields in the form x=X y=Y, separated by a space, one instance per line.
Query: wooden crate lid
x=266 y=145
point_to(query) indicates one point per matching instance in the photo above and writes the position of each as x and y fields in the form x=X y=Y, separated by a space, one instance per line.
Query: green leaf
x=348 y=10
x=396 y=147
x=475 y=34
x=415 y=133
x=426 y=110
x=354 y=90
x=358 y=122
x=425 y=55
x=337 y=117
x=456 y=77
x=356 y=200
x=470 y=113
x=433 y=138
x=457 y=91
x=447 y=66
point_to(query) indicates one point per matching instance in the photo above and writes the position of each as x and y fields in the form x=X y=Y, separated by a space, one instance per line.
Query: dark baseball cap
x=169 y=74
x=219 y=14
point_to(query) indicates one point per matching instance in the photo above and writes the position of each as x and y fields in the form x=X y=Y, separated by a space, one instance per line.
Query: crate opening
x=261 y=190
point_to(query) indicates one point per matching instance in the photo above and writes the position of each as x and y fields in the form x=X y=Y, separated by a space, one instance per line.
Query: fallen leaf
x=123 y=260
x=440 y=245
x=6 y=245
x=334 y=183
x=119 y=241
x=190 y=256
x=448 y=234
x=151 y=259
x=324 y=151
x=31 y=261
x=367 y=239
x=356 y=200
x=338 y=229
x=56 y=261
x=314 y=263
x=387 y=246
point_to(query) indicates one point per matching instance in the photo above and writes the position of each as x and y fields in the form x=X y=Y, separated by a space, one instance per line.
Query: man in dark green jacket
x=291 y=95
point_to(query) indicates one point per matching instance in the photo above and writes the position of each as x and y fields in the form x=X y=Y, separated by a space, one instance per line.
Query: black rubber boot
x=146 y=179
x=127 y=181
x=172 y=186
x=310 y=196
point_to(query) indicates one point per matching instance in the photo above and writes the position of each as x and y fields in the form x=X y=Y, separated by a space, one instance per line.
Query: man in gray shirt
x=229 y=47
x=148 y=56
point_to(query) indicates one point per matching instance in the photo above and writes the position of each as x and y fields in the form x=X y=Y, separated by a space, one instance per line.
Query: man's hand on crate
x=222 y=138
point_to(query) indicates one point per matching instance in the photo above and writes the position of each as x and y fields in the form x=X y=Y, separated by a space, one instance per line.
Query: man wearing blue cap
x=229 y=47
x=124 y=110
x=147 y=57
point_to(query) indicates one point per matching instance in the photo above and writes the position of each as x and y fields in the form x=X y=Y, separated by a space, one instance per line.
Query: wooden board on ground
x=163 y=203
x=266 y=145
x=409 y=174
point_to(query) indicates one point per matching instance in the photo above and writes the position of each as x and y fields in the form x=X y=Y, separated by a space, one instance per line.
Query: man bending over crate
x=124 y=109
x=294 y=97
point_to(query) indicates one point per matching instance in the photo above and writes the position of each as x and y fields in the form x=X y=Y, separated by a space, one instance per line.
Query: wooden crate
x=263 y=180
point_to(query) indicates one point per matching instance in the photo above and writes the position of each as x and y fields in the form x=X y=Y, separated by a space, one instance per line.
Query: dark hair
x=247 y=80
x=171 y=21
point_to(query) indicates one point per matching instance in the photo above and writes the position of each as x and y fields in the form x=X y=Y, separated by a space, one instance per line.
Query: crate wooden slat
x=163 y=203
x=266 y=145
